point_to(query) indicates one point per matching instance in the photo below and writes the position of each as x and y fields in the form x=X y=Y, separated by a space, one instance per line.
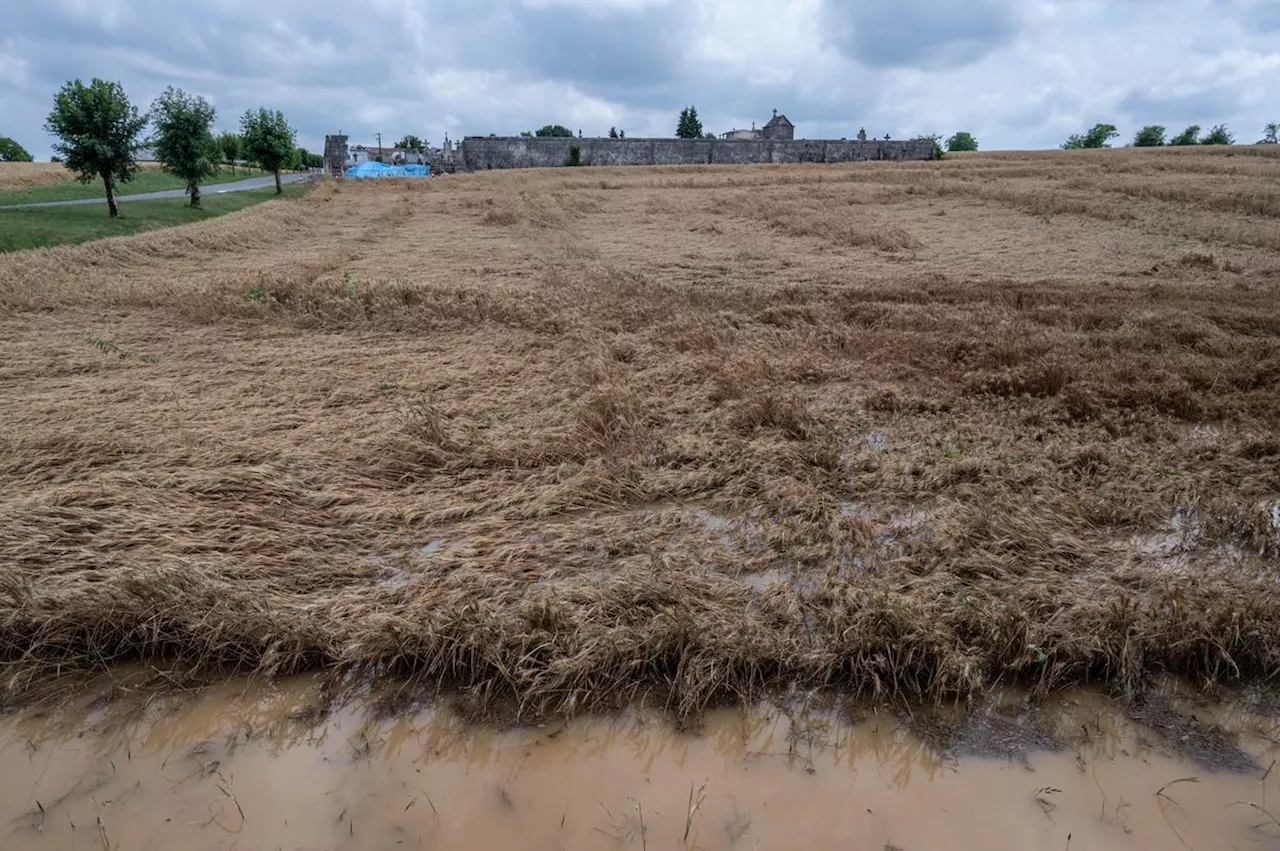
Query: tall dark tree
x=1151 y=136
x=689 y=126
x=553 y=130
x=1190 y=136
x=411 y=143
x=613 y=132
x=97 y=130
x=268 y=141
x=1098 y=136
x=1218 y=135
x=229 y=144
x=1270 y=134
x=12 y=152
x=184 y=141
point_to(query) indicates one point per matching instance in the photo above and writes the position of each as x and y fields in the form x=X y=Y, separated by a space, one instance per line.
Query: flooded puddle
x=253 y=766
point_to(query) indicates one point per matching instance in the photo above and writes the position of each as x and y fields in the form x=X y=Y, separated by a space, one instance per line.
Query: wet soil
x=254 y=765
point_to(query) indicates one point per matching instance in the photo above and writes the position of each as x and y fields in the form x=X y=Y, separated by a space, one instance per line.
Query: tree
x=862 y=134
x=12 y=152
x=613 y=132
x=1219 y=135
x=1151 y=136
x=412 y=143
x=553 y=130
x=184 y=141
x=1190 y=136
x=708 y=135
x=528 y=133
x=689 y=126
x=962 y=141
x=302 y=158
x=1098 y=136
x=1270 y=134
x=622 y=134
x=935 y=139
x=98 y=131
x=229 y=144
x=268 y=141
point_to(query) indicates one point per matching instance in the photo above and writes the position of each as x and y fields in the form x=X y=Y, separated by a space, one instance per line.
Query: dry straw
x=564 y=439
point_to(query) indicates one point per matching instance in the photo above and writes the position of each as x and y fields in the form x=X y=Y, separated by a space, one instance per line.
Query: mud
x=1204 y=743
x=250 y=765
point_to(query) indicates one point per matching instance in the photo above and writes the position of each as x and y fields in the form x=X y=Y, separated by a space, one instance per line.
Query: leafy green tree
x=97 y=130
x=229 y=144
x=302 y=158
x=411 y=143
x=936 y=139
x=268 y=141
x=1190 y=136
x=1270 y=134
x=689 y=126
x=184 y=141
x=12 y=152
x=708 y=135
x=1151 y=136
x=1098 y=136
x=613 y=132
x=553 y=130
x=1219 y=135
x=962 y=140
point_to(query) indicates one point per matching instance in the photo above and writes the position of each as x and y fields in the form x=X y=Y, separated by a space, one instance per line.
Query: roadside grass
x=147 y=180
x=48 y=226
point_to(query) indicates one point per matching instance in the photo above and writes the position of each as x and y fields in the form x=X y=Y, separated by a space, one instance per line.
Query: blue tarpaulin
x=372 y=169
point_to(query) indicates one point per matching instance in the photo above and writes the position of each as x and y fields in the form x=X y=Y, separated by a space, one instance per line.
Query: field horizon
x=564 y=439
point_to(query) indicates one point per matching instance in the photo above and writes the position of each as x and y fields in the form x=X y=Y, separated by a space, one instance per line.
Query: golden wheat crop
x=573 y=437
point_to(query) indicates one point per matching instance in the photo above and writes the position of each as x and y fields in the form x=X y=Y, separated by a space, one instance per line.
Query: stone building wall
x=478 y=153
x=335 y=155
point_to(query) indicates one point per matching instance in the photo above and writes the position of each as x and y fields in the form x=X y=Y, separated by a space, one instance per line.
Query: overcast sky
x=1015 y=73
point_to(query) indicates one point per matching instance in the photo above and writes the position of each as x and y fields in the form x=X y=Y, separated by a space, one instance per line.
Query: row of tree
x=1155 y=135
x=99 y=134
x=961 y=140
x=231 y=146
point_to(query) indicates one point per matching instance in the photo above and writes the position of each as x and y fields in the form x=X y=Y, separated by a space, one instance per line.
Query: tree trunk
x=279 y=189
x=194 y=190
x=113 y=209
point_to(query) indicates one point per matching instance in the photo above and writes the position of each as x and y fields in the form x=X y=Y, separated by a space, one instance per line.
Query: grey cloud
x=1265 y=16
x=1204 y=106
x=924 y=34
x=483 y=66
x=628 y=46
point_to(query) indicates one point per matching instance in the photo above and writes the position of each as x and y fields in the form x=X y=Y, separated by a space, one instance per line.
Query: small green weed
x=110 y=348
x=256 y=294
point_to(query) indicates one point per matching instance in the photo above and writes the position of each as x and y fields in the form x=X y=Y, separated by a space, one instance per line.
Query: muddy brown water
x=255 y=766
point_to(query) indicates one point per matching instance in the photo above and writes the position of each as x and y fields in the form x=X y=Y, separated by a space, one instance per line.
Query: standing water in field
x=255 y=766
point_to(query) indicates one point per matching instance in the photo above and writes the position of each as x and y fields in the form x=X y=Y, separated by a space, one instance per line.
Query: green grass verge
x=147 y=180
x=46 y=226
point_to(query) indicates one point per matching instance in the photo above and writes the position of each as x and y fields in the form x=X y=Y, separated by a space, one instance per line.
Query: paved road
x=211 y=189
